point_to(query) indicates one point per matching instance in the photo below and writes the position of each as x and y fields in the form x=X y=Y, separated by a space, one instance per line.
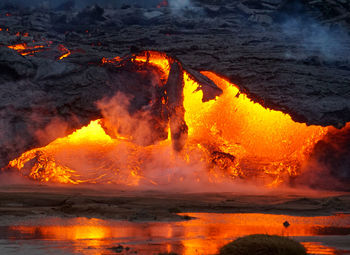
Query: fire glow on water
x=229 y=138
x=204 y=234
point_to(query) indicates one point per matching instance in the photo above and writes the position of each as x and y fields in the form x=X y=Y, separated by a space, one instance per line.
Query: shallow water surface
x=203 y=235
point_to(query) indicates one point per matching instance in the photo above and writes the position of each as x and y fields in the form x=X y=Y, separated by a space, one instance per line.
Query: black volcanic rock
x=66 y=6
x=90 y=15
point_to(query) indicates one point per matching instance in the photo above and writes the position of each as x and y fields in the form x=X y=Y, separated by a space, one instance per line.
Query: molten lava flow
x=45 y=167
x=110 y=61
x=88 y=155
x=25 y=50
x=159 y=60
x=251 y=136
x=65 y=52
x=228 y=137
x=21 y=46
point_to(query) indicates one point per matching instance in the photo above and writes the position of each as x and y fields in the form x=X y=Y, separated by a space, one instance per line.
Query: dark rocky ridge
x=273 y=63
x=273 y=54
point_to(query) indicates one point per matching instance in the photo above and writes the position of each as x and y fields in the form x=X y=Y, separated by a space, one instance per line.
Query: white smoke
x=181 y=7
x=315 y=39
x=179 y=4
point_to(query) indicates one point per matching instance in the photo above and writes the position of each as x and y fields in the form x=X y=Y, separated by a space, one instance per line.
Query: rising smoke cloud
x=315 y=39
x=162 y=168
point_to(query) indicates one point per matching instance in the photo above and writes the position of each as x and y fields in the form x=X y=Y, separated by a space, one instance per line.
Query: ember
x=163 y=3
x=64 y=51
x=25 y=50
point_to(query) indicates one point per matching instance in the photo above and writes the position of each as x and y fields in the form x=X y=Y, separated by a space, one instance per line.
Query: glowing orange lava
x=90 y=145
x=158 y=59
x=228 y=137
x=257 y=137
x=25 y=50
x=65 y=52
x=113 y=60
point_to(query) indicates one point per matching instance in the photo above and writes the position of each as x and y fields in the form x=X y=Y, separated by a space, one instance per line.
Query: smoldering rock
x=174 y=87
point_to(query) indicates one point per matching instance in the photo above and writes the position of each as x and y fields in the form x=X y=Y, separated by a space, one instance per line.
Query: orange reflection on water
x=203 y=235
x=225 y=227
x=318 y=248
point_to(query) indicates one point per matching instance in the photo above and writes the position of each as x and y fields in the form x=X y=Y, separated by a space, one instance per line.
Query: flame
x=231 y=136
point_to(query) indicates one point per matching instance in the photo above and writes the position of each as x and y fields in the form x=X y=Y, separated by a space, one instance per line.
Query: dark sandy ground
x=107 y=203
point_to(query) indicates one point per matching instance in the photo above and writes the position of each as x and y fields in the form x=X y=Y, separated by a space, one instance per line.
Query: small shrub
x=263 y=245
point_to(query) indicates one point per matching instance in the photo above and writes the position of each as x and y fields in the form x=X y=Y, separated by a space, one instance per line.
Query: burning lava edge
x=171 y=72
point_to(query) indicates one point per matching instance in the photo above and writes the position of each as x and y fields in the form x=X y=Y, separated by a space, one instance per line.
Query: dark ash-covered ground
x=89 y=201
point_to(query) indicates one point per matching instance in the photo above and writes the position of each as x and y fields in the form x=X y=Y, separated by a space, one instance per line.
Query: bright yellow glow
x=257 y=137
x=24 y=49
x=231 y=135
x=158 y=59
